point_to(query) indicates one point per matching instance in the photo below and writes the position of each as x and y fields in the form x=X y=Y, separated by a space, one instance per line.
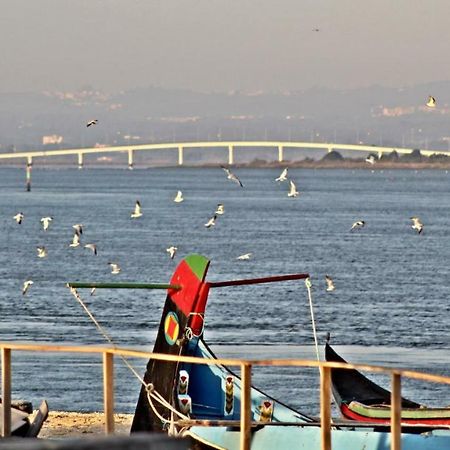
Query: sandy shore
x=74 y=424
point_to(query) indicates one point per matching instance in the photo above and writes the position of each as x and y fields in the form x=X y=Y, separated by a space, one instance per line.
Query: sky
x=222 y=45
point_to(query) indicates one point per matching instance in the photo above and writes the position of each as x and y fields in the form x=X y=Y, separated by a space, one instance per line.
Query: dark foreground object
x=138 y=441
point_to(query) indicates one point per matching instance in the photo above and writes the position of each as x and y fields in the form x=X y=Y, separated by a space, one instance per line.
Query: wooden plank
x=6 y=391
x=108 y=391
x=396 y=412
x=38 y=421
x=246 y=413
x=325 y=408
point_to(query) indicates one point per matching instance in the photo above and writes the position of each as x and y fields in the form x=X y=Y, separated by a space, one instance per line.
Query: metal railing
x=245 y=366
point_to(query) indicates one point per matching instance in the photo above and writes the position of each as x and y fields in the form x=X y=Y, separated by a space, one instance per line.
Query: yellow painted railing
x=245 y=366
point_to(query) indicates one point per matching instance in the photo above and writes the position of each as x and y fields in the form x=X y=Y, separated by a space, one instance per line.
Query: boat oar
x=175 y=287
x=274 y=279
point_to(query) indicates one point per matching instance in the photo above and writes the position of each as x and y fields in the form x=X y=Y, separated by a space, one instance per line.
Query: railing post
x=246 y=413
x=280 y=153
x=230 y=155
x=6 y=392
x=180 y=155
x=28 y=173
x=325 y=408
x=396 y=412
x=108 y=391
x=130 y=159
x=80 y=160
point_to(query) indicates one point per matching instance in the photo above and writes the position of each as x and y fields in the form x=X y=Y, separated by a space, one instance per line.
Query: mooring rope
x=149 y=388
x=308 y=285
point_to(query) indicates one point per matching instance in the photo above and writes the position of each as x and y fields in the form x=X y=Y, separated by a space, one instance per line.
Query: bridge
x=231 y=146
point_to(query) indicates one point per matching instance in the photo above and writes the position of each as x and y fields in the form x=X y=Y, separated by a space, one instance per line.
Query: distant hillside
x=374 y=115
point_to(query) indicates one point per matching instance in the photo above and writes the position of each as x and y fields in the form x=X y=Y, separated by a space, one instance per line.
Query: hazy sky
x=222 y=45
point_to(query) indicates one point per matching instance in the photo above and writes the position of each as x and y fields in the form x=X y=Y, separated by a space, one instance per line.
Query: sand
x=75 y=424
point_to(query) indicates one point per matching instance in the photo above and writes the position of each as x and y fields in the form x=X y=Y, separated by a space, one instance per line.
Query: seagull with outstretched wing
x=231 y=176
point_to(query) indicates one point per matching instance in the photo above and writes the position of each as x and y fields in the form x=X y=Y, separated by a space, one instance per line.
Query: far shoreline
x=340 y=164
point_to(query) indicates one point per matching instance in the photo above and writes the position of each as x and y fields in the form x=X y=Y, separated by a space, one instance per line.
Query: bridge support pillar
x=80 y=160
x=28 y=172
x=130 y=159
x=380 y=154
x=230 y=155
x=180 y=155
x=330 y=149
x=280 y=153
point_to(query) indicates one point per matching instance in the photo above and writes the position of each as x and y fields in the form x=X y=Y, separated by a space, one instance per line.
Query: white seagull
x=244 y=256
x=93 y=290
x=75 y=240
x=179 y=197
x=171 y=251
x=231 y=176
x=137 y=210
x=417 y=225
x=41 y=252
x=293 y=190
x=283 y=176
x=115 y=269
x=330 y=284
x=431 y=103
x=357 y=224
x=18 y=218
x=46 y=222
x=211 y=221
x=92 y=247
x=370 y=159
x=26 y=285
x=220 y=209
x=92 y=122
x=78 y=228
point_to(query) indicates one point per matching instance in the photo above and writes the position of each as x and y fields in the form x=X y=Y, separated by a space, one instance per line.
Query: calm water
x=390 y=306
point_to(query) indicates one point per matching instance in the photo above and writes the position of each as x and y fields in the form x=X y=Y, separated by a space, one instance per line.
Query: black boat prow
x=351 y=385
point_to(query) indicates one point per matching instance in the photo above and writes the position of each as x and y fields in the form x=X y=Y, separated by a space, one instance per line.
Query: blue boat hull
x=308 y=438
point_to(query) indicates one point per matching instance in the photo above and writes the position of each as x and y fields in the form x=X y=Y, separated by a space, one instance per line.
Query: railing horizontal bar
x=274 y=279
x=77 y=284
x=220 y=361
x=335 y=424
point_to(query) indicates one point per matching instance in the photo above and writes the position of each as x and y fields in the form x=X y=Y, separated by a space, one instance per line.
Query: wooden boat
x=212 y=393
x=359 y=398
x=21 y=425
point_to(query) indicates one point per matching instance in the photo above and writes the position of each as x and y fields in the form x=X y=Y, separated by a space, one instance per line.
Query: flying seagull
x=330 y=284
x=357 y=224
x=220 y=209
x=18 y=218
x=75 y=240
x=283 y=175
x=370 y=159
x=46 y=222
x=41 y=252
x=417 y=225
x=244 y=256
x=92 y=247
x=137 y=210
x=78 y=228
x=115 y=269
x=93 y=290
x=92 y=122
x=231 y=176
x=26 y=285
x=293 y=190
x=179 y=197
x=171 y=251
x=431 y=103
x=211 y=221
